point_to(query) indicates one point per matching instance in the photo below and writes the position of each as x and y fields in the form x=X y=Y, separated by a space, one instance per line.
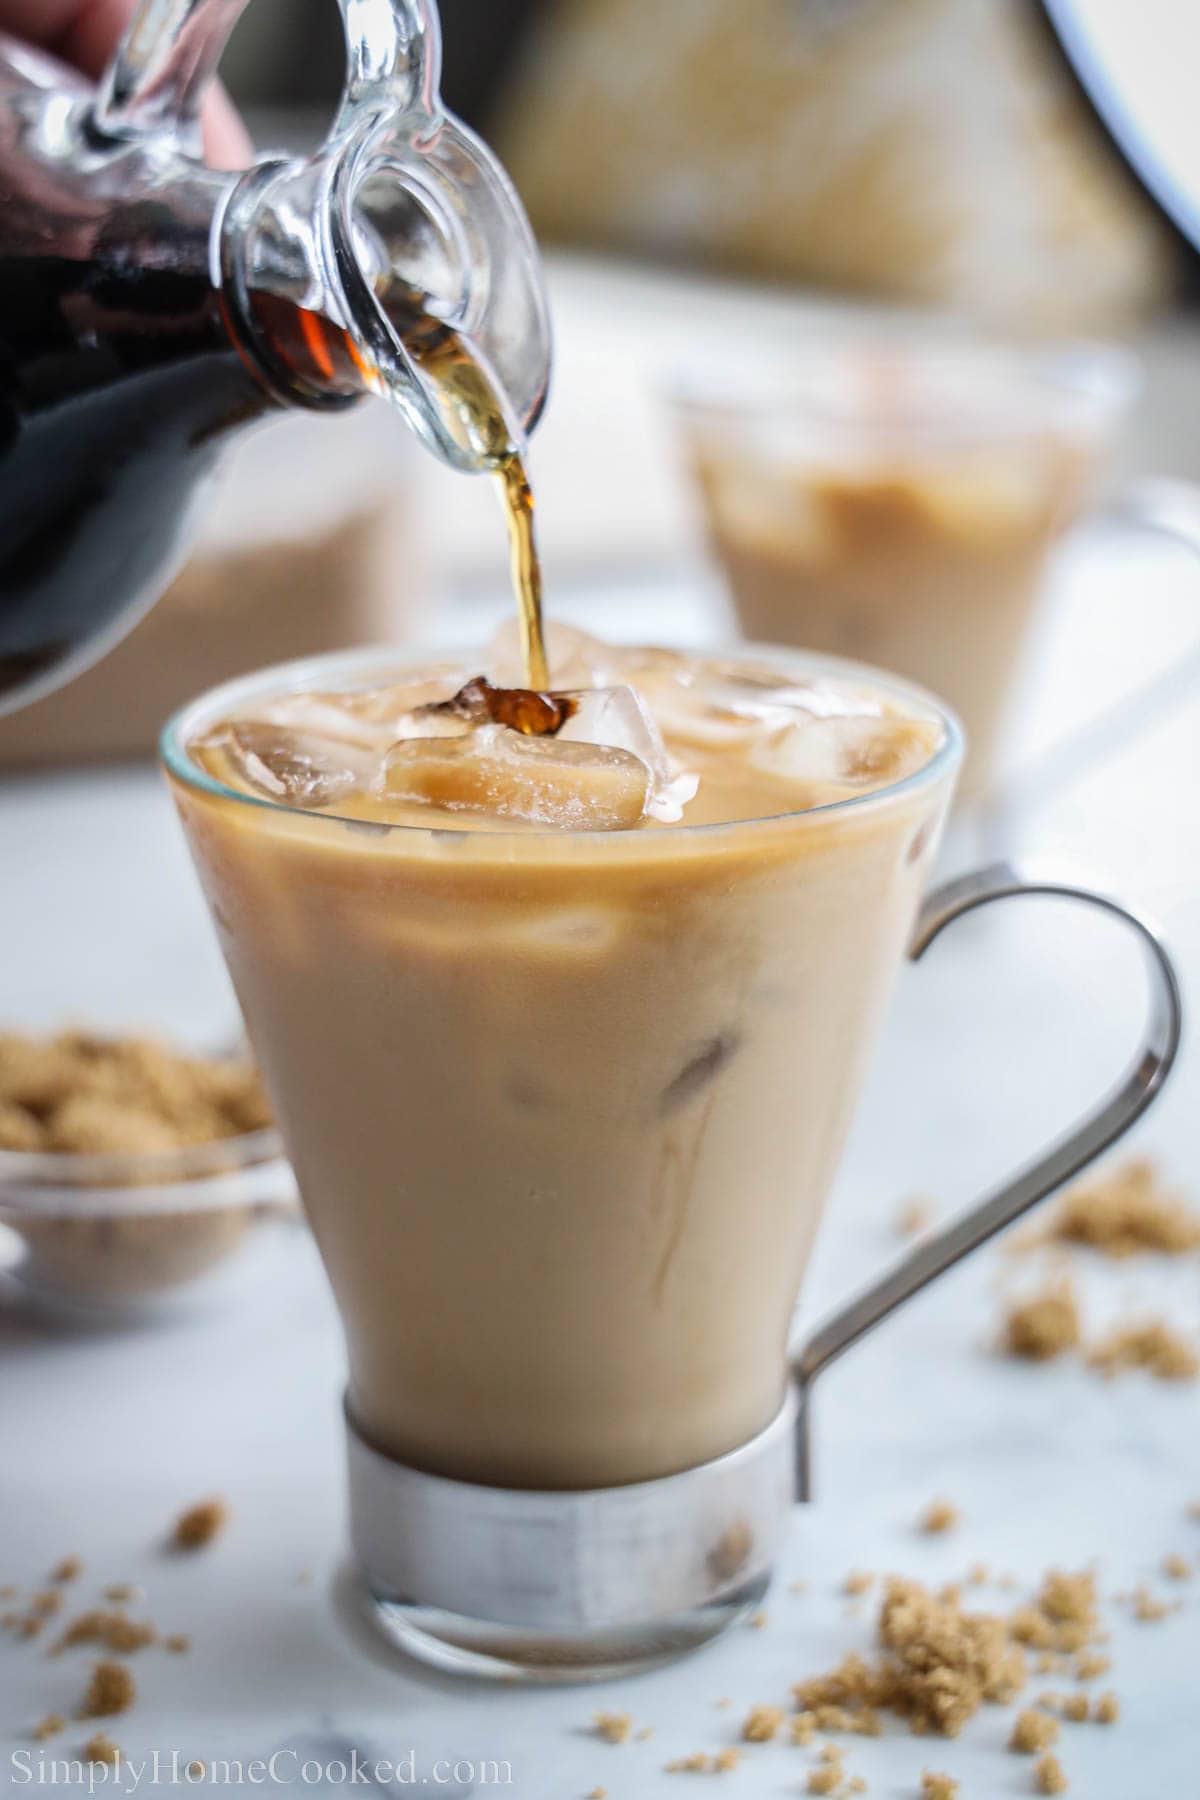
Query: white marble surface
x=997 y=1040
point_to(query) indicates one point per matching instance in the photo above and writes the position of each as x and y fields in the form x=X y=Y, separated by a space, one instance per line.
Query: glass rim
x=303 y=674
x=786 y=382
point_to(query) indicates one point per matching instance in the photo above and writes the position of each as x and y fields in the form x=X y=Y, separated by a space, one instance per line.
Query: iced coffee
x=900 y=508
x=563 y=998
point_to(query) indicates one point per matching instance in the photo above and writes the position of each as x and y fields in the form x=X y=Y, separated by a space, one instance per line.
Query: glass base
x=518 y=1655
x=581 y=1585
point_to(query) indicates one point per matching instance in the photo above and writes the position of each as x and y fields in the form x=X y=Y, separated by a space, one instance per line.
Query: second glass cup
x=897 y=501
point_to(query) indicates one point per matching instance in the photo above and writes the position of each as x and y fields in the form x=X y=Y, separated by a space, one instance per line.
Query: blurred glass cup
x=896 y=501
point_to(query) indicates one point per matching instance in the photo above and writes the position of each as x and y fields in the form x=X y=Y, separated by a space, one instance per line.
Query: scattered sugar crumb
x=978 y=1574
x=940 y=1515
x=1034 y=1731
x=937 y=1787
x=111 y=1630
x=1178 y=1568
x=1193 y=1512
x=644 y=1735
x=597 y=1793
x=1048 y=1776
x=200 y=1524
x=826 y=1779
x=1152 y=1345
x=802 y=1727
x=1107 y=1710
x=101 y=1749
x=120 y=1593
x=177 y=1643
x=724 y=1702
x=46 y=1603
x=1147 y=1608
x=757 y=1620
x=1126 y=1211
x=111 y=1689
x=1044 y=1326
x=726 y=1759
x=801 y=1587
x=937 y=1666
x=69 y=1569
x=858 y=1581
x=761 y=1724
x=49 y=1727
x=1091 y=1664
x=698 y=1763
x=1075 y=1708
x=613 y=1727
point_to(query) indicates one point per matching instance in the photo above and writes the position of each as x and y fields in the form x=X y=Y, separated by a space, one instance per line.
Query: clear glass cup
x=896 y=500
x=564 y=1108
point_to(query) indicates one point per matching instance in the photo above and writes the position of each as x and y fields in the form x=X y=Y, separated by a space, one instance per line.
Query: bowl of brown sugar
x=130 y=1171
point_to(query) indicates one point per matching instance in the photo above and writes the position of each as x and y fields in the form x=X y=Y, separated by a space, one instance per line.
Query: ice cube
x=618 y=717
x=298 y=768
x=372 y=718
x=496 y=773
x=847 y=752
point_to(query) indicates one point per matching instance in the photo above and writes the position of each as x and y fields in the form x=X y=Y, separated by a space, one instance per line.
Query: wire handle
x=1109 y=1120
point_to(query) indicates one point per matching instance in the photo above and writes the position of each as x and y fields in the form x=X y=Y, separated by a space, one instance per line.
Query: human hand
x=85 y=33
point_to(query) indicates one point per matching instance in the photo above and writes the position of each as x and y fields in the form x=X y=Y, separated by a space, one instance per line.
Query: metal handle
x=170 y=51
x=1107 y=1122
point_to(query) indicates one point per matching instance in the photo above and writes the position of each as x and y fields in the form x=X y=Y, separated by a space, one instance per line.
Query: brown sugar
x=1076 y=1708
x=1034 y=1731
x=177 y=1643
x=69 y=1569
x=937 y=1666
x=1147 y=1608
x=613 y=1727
x=1107 y=1710
x=1177 y=1568
x=940 y=1515
x=802 y=1727
x=826 y=1779
x=761 y=1724
x=937 y=1787
x=1126 y=1212
x=1091 y=1664
x=597 y=1793
x=113 y=1631
x=81 y=1092
x=111 y=1689
x=726 y=1760
x=1063 y=1618
x=858 y=1582
x=1152 y=1345
x=119 y=1593
x=1048 y=1776
x=1044 y=1326
x=698 y=1763
x=49 y=1727
x=101 y=1749
x=200 y=1524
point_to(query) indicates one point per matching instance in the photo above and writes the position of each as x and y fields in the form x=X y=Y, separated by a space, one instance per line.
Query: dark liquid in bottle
x=116 y=389
x=119 y=381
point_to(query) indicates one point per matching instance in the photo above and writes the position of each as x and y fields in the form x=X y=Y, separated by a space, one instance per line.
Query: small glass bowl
x=120 y=1232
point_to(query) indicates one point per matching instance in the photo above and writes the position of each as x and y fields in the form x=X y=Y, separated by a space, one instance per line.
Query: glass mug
x=897 y=500
x=540 y=1091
